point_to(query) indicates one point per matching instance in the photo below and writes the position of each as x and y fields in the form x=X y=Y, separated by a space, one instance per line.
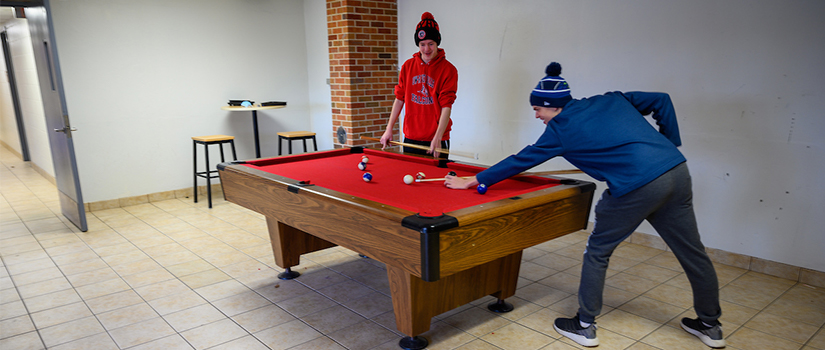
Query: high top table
x=254 y=110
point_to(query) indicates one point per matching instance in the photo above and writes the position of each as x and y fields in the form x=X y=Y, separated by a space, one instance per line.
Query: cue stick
x=441 y=179
x=439 y=150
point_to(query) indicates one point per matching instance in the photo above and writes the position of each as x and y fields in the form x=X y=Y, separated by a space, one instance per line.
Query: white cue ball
x=408 y=179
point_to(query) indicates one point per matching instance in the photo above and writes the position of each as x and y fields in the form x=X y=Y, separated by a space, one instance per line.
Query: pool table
x=442 y=247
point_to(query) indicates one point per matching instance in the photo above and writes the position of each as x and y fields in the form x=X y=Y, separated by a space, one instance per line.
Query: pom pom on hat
x=552 y=90
x=553 y=69
x=427 y=29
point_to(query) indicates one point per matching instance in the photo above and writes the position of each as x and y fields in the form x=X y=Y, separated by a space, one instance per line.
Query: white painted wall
x=745 y=76
x=141 y=78
x=320 y=93
x=28 y=89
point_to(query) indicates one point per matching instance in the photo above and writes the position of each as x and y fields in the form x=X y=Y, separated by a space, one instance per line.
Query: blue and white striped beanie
x=552 y=90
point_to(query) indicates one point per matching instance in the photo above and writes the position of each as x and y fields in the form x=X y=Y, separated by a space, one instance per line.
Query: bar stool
x=209 y=174
x=296 y=135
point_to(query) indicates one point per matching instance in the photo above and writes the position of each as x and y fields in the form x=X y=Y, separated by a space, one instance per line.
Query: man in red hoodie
x=427 y=86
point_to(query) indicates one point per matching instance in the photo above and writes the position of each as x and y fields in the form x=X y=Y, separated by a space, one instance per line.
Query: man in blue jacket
x=609 y=139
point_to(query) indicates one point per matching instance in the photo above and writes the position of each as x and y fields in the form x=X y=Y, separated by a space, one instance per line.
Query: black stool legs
x=207 y=173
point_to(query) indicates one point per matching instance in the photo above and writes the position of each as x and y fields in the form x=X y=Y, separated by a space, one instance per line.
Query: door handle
x=64 y=129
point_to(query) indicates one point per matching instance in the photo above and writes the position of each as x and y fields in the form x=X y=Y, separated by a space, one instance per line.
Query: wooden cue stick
x=439 y=150
x=441 y=179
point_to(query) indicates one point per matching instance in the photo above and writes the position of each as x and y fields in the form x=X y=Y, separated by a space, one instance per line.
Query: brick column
x=363 y=54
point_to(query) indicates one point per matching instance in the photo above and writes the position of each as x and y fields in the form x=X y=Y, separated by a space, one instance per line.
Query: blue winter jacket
x=608 y=138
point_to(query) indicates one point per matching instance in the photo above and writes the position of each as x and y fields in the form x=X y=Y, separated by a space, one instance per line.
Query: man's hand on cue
x=459 y=183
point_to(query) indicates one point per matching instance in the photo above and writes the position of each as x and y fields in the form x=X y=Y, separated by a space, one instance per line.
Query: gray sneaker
x=711 y=336
x=571 y=328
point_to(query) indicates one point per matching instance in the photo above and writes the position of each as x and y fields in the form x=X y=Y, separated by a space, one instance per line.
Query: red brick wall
x=363 y=54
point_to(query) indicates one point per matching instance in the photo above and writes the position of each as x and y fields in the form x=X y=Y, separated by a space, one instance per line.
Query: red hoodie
x=423 y=102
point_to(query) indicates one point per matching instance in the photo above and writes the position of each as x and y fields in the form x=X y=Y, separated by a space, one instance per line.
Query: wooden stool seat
x=209 y=174
x=290 y=136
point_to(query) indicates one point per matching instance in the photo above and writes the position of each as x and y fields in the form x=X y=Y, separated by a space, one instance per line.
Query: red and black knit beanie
x=427 y=29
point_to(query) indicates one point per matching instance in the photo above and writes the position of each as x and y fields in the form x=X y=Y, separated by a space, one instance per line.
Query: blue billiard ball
x=362 y=166
x=482 y=189
x=367 y=177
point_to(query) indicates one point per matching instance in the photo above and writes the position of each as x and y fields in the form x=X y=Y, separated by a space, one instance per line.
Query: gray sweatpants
x=667 y=203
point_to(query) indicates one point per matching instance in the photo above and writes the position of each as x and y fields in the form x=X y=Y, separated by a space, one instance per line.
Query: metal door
x=57 y=116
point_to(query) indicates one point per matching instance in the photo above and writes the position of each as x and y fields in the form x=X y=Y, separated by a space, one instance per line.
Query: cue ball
x=365 y=159
x=452 y=173
x=482 y=189
x=362 y=166
x=367 y=177
x=420 y=175
x=408 y=179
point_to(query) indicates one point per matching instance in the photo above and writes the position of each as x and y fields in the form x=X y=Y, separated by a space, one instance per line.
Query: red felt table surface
x=338 y=170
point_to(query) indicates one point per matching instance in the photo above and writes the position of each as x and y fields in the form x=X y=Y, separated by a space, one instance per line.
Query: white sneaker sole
x=716 y=344
x=580 y=339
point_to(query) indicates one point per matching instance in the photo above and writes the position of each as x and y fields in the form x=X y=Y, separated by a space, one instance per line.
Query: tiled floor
x=176 y=275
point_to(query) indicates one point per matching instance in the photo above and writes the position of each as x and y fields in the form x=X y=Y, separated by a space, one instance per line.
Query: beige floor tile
x=746 y=338
x=221 y=290
x=673 y=339
x=91 y=277
x=172 y=342
x=363 y=335
x=332 y=319
x=240 y=303
x=287 y=335
x=259 y=319
x=652 y=272
x=125 y=316
x=782 y=327
x=515 y=336
x=562 y=281
x=671 y=295
x=627 y=324
x=83 y=266
x=148 y=277
x=479 y=344
x=213 y=334
x=70 y=331
x=652 y=309
x=25 y=341
x=114 y=301
x=36 y=265
x=798 y=310
x=62 y=314
x=176 y=302
x=308 y=303
x=251 y=343
x=246 y=267
x=745 y=297
x=15 y=326
x=102 y=288
x=52 y=300
x=772 y=286
x=204 y=278
x=45 y=287
x=37 y=276
x=161 y=289
x=134 y=267
x=141 y=332
x=476 y=321
x=541 y=294
x=190 y=267
x=193 y=317
x=100 y=341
